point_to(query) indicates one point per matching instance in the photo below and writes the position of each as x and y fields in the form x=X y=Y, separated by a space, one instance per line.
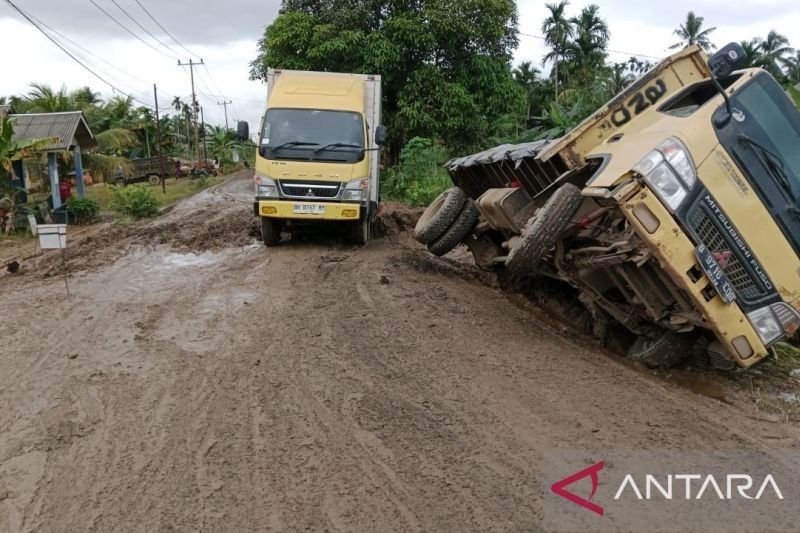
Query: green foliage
x=83 y=210
x=136 y=201
x=419 y=177
x=445 y=65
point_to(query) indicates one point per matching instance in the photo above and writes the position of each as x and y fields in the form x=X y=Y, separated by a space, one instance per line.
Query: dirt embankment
x=210 y=384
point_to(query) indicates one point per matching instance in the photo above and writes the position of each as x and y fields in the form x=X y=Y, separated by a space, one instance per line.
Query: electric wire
x=135 y=36
x=72 y=56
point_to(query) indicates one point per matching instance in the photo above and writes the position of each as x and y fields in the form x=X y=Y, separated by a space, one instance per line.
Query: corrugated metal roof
x=62 y=126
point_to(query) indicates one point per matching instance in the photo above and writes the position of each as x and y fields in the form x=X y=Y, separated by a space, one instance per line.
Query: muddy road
x=207 y=384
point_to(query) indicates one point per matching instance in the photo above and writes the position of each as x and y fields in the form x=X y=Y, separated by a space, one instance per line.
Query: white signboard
x=52 y=236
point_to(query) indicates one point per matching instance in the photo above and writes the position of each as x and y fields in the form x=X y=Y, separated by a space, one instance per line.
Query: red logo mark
x=722 y=257
x=559 y=488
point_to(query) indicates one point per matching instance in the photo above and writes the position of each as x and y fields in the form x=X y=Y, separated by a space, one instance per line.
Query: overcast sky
x=224 y=33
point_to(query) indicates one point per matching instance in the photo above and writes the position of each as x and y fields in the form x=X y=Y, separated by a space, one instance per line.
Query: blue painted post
x=76 y=156
x=52 y=165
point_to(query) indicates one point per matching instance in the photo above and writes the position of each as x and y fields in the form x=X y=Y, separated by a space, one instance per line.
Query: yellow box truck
x=318 y=152
x=674 y=210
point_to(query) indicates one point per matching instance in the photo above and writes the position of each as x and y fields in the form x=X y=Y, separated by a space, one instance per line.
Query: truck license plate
x=309 y=209
x=715 y=273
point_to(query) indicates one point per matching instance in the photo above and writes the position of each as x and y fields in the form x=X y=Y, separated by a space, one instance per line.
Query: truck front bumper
x=676 y=255
x=285 y=209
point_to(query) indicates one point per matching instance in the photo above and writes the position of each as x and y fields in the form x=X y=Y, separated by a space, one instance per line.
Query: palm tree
x=43 y=99
x=792 y=64
x=587 y=53
x=558 y=30
x=690 y=33
x=528 y=77
x=773 y=49
x=752 y=53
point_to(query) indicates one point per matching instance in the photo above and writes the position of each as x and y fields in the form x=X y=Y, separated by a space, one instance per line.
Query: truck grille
x=745 y=284
x=309 y=189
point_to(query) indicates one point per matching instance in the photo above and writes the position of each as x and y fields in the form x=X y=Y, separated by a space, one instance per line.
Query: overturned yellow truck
x=674 y=210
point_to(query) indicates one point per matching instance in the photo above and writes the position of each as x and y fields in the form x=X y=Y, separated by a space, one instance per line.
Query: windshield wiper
x=291 y=143
x=772 y=162
x=337 y=145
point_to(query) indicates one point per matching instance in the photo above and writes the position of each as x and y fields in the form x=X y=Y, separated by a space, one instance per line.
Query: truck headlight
x=669 y=171
x=774 y=321
x=355 y=191
x=265 y=187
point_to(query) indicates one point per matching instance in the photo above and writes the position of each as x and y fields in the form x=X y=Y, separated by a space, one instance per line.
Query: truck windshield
x=763 y=136
x=764 y=118
x=320 y=135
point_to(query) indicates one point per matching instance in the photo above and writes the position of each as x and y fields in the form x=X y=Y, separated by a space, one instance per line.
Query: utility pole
x=158 y=143
x=225 y=103
x=203 y=122
x=191 y=64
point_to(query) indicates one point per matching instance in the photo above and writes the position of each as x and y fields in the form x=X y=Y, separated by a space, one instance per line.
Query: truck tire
x=464 y=224
x=119 y=182
x=662 y=349
x=542 y=231
x=440 y=215
x=360 y=231
x=271 y=231
x=154 y=180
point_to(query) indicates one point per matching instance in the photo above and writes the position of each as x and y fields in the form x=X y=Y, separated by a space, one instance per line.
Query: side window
x=693 y=97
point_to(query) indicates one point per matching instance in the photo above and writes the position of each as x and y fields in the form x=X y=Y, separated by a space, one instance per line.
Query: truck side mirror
x=380 y=135
x=726 y=60
x=243 y=130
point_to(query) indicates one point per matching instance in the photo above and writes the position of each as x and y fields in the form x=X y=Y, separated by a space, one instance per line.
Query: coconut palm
x=773 y=50
x=558 y=30
x=792 y=64
x=43 y=99
x=690 y=33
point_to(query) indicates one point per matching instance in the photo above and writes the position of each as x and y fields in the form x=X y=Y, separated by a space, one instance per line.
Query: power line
x=63 y=37
x=159 y=41
x=121 y=25
x=607 y=49
x=78 y=61
x=164 y=29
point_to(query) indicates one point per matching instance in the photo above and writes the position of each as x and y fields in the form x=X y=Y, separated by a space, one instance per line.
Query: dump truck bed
x=538 y=165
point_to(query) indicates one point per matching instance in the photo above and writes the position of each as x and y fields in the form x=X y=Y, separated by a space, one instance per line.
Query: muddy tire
x=270 y=231
x=440 y=215
x=464 y=224
x=662 y=349
x=154 y=180
x=360 y=232
x=541 y=233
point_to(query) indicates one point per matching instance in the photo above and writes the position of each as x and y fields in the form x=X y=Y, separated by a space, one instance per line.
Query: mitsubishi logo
x=723 y=257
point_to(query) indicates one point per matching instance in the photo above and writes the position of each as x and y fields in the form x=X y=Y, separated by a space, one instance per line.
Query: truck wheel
x=270 y=231
x=154 y=180
x=440 y=215
x=461 y=228
x=542 y=231
x=119 y=182
x=360 y=231
x=662 y=349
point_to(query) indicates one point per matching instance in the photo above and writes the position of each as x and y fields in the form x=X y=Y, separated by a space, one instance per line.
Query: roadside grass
x=773 y=386
x=176 y=190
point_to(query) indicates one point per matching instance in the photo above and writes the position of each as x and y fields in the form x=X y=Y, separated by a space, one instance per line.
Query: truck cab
x=318 y=152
